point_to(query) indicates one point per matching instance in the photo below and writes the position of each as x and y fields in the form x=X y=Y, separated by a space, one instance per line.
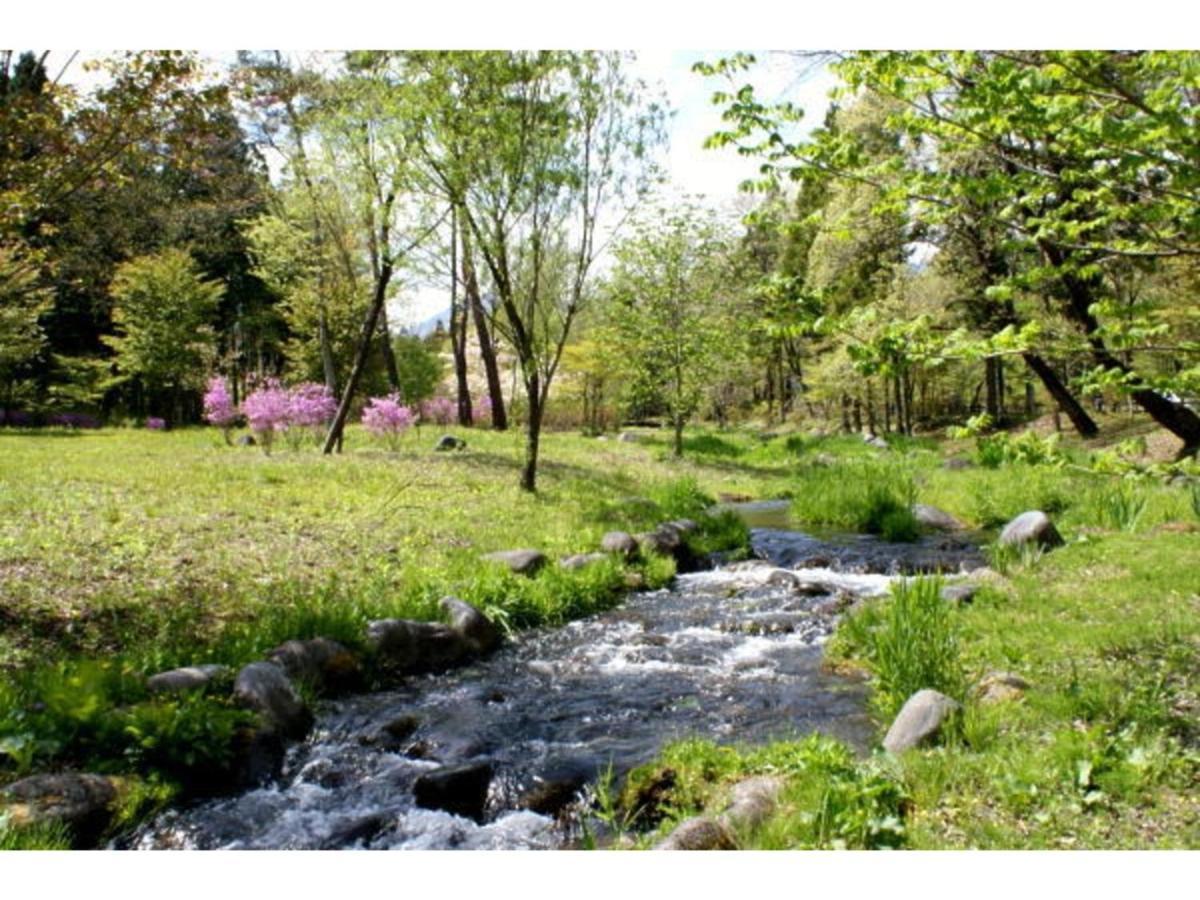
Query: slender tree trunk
x=326 y=353
x=846 y=413
x=458 y=329
x=1062 y=396
x=334 y=438
x=533 y=431
x=487 y=347
x=389 y=353
x=678 y=436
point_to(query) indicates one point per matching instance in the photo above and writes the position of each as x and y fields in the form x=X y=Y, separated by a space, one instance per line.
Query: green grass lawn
x=133 y=551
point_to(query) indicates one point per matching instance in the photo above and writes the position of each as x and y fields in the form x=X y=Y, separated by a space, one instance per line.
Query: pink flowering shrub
x=481 y=411
x=387 y=419
x=311 y=407
x=267 y=410
x=439 y=410
x=156 y=424
x=218 y=406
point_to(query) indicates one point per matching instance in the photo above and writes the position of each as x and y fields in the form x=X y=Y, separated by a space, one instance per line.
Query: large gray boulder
x=1033 y=527
x=699 y=833
x=478 y=630
x=320 y=662
x=521 y=562
x=406 y=646
x=187 y=678
x=621 y=543
x=264 y=688
x=920 y=719
x=873 y=440
x=461 y=790
x=81 y=801
x=935 y=519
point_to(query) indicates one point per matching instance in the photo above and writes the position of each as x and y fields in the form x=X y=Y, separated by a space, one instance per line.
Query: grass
x=909 y=642
x=126 y=552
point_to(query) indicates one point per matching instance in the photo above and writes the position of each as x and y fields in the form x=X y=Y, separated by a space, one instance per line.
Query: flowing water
x=732 y=655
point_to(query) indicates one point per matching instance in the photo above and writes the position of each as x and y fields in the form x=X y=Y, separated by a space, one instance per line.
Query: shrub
x=311 y=407
x=156 y=424
x=387 y=419
x=218 y=406
x=267 y=410
x=439 y=410
x=909 y=642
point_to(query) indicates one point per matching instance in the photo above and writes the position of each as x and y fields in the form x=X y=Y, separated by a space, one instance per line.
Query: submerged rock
x=81 y=801
x=186 y=678
x=521 y=562
x=1031 y=527
x=264 y=688
x=557 y=785
x=920 y=719
x=461 y=790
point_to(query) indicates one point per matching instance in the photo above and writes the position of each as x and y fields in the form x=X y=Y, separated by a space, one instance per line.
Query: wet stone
x=81 y=801
x=619 y=542
x=461 y=790
x=1033 y=527
x=699 y=833
x=264 y=688
x=919 y=720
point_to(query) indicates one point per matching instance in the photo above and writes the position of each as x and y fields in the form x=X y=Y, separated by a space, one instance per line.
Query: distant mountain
x=428 y=326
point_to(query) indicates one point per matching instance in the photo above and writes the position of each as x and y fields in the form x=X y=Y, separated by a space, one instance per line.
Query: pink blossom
x=267 y=410
x=481 y=410
x=310 y=405
x=386 y=418
x=439 y=410
x=156 y=424
x=218 y=406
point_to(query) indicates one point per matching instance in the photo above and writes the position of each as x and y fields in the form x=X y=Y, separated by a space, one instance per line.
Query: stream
x=732 y=655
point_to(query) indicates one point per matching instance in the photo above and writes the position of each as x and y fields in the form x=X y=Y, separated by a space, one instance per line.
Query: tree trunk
x=458 y=331
x=334 y=438
x=327 y=353
x=487 y=348
x=389 y=353
x=1062 y=396
x=678 y=437
x=533 y=431
x=1175 y=417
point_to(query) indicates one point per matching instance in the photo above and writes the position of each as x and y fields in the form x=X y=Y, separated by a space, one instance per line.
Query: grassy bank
x=128 y=552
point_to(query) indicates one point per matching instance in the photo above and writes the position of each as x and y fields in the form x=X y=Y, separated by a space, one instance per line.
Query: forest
x=295 y=348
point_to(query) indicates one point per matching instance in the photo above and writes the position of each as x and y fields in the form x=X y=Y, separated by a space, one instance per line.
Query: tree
x=543 y=141
x=22 y=301
x=1091 y=159
x=163 y=311
x=419 y=368
x=669 y=305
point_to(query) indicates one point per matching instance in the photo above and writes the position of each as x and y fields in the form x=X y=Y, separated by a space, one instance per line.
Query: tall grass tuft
x=909 y=642
x=868 y=497
x=1122 y=506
